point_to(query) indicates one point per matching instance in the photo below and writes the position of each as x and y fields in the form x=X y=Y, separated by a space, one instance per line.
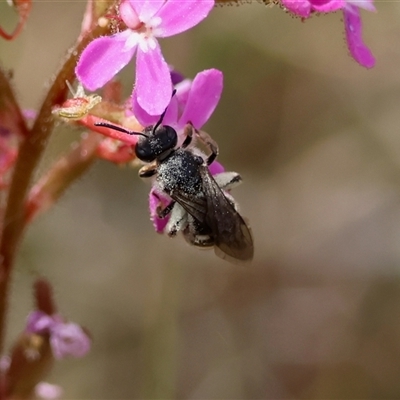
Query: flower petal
x=216 y=168
x=178 y=16
x=129 y=15
x=103 y=58
x=171 y=115
x=145 y=9
x=47 y=391
x=69 y=339
x=365 y=4
x=353 y=26
x=302 y=8
x=39 y=322
x=203 y=98
x=144 y=118
x=153 y=81
x=182 y=92
x=176 y=76
x=157 y=199
x=326 y=6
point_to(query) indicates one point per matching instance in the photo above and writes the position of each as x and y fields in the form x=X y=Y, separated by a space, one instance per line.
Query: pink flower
x=66 y=338
x=195 y=102
x=304 y=8
x=146 y=20
x=352 y=22
x=353 y=27
x=48 y=391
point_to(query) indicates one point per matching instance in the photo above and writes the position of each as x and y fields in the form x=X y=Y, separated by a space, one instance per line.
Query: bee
x=201 y=208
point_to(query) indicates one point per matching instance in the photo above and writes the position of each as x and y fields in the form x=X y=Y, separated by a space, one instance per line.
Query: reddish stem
x=29 y=155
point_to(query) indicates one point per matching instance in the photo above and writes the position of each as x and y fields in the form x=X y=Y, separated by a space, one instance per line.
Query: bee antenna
x=119 y=128
x=163 y=114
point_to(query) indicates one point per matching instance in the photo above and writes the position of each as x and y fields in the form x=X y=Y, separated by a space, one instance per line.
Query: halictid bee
x=200 y=208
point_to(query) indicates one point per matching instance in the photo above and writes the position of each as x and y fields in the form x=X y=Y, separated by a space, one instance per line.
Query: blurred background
x=316 y=139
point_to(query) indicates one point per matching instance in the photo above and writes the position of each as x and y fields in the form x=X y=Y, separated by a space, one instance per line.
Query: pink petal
x=216 y=168
x=38 y=322
x=146 y=8
x=182 y=92
x=176 y=77
x=129 y=15
x=360 y=52
x=153 y=81
x=47 y=391
x=365 y=4
x=102 y=59
x=301 y=8
x=144 y=118
x=178 y=16
x=69 y=339
x=203 y=98
x=171 y=116
x=327 y=6
x=157 y=199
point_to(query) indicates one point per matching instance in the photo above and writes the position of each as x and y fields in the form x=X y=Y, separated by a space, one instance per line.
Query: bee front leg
x=209 y=142
x=148 y=170
x=188 y=132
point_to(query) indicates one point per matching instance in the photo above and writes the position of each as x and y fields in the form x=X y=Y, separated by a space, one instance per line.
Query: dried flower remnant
x=147 y=20
x=77 y=107
x=66 y=338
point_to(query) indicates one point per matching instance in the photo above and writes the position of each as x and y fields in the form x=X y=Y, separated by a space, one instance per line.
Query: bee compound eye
x=169 y=137
x=144 y=150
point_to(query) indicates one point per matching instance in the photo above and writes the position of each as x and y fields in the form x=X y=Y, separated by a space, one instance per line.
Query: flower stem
x=29 y=156
x=66 y=170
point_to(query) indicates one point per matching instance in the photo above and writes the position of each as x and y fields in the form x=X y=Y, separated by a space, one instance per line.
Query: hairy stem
x=66 y=170
x=29 y=155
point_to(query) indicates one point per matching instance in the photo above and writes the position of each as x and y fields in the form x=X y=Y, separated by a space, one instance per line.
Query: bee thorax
x=180 y=171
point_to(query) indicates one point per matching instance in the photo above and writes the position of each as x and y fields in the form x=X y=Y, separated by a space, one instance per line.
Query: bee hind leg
x=228 y=180
x=177 y=221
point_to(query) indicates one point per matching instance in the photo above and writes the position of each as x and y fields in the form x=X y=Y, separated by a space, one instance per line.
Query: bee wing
x=233 y=238
x=195 y=206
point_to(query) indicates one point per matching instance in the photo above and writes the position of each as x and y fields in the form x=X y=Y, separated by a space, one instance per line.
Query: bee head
x=155 y=141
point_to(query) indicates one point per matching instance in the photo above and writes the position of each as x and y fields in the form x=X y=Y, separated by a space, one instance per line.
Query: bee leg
x=228 y=180
x=163 y=212
x=177 y=220
x=210 y=143
x=197 y=235
x=188 y=132
x=148 y=170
